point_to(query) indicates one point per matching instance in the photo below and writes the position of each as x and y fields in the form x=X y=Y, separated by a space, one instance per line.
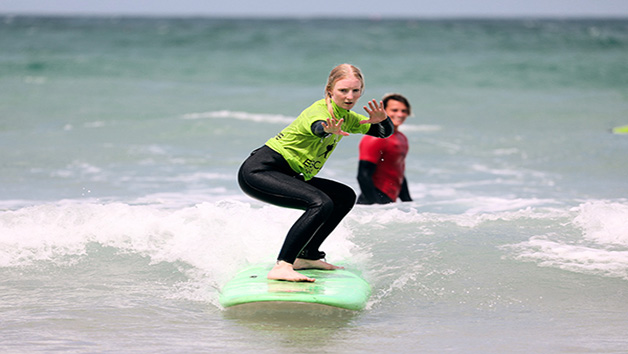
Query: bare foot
x=284 y=271
x=302 y=263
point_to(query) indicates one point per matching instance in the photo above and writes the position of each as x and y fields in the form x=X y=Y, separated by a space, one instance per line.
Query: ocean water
x=121 y=218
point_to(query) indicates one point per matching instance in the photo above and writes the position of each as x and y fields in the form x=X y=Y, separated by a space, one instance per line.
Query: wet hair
x=396 y=97
x=340 y=72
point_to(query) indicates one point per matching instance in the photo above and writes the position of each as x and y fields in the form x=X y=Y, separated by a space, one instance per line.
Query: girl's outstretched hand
x=376 y=112
x=334 y=126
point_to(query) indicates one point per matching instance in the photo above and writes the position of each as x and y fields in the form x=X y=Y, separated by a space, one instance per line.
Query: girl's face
x=397 y=111
x=346 y=92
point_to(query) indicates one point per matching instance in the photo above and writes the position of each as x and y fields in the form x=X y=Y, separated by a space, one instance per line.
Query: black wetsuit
x=267 y=176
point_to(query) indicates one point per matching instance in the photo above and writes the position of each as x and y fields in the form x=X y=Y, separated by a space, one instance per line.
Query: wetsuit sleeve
x=365 y=179
x=370 y=194
x=318 y=129
x=404 y=194
x=383 y=129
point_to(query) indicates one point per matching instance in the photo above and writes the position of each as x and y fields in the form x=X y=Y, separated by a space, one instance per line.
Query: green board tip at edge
x=620 y=130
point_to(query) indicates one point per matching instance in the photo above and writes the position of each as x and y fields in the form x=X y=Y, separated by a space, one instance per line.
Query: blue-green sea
x=121 y=217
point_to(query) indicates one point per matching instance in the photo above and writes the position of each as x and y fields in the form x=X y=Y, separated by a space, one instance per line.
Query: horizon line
x=374 y=17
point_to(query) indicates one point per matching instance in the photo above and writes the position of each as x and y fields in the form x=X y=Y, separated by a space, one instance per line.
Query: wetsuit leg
x=343 y=198
x=266 y=175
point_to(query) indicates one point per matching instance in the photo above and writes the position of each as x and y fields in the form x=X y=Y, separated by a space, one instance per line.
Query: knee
x=340 y=201
x=325 y=205
x=346 y=199
x=351 y=196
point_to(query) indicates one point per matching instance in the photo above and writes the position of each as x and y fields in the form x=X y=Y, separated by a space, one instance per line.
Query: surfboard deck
x=339 y=288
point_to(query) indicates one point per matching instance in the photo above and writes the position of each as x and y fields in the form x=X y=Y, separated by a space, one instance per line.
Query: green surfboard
x=621 y=130
x=339 y=288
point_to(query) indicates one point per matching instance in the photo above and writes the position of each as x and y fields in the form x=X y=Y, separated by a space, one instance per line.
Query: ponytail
x=330 y=107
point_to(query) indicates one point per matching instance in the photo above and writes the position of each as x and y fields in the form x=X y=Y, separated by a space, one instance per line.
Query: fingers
x=334 y=126
x=374 y=106
x=332 y=122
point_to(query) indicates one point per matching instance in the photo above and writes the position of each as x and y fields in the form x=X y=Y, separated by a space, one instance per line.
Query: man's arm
x=404 y=194
x=370 y=194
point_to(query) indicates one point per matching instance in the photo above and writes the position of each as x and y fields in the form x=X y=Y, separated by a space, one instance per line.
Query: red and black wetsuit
x=381 y=169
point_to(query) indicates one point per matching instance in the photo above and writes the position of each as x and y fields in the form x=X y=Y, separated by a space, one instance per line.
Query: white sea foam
x=215 y=239
x=496 y=209
x=601 y=246
x=603 y=222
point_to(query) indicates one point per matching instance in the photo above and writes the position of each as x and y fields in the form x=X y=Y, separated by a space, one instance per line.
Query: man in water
x=381 y=170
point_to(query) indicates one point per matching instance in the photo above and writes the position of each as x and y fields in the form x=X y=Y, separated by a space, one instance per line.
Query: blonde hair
x=340 y=72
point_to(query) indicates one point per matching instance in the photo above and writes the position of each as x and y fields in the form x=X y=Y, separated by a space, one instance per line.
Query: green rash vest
x=307 y=153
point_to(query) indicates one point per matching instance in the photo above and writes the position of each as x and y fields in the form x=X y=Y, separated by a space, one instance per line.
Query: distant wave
x=426 y=128
x=279 y=118
x=254 y=117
